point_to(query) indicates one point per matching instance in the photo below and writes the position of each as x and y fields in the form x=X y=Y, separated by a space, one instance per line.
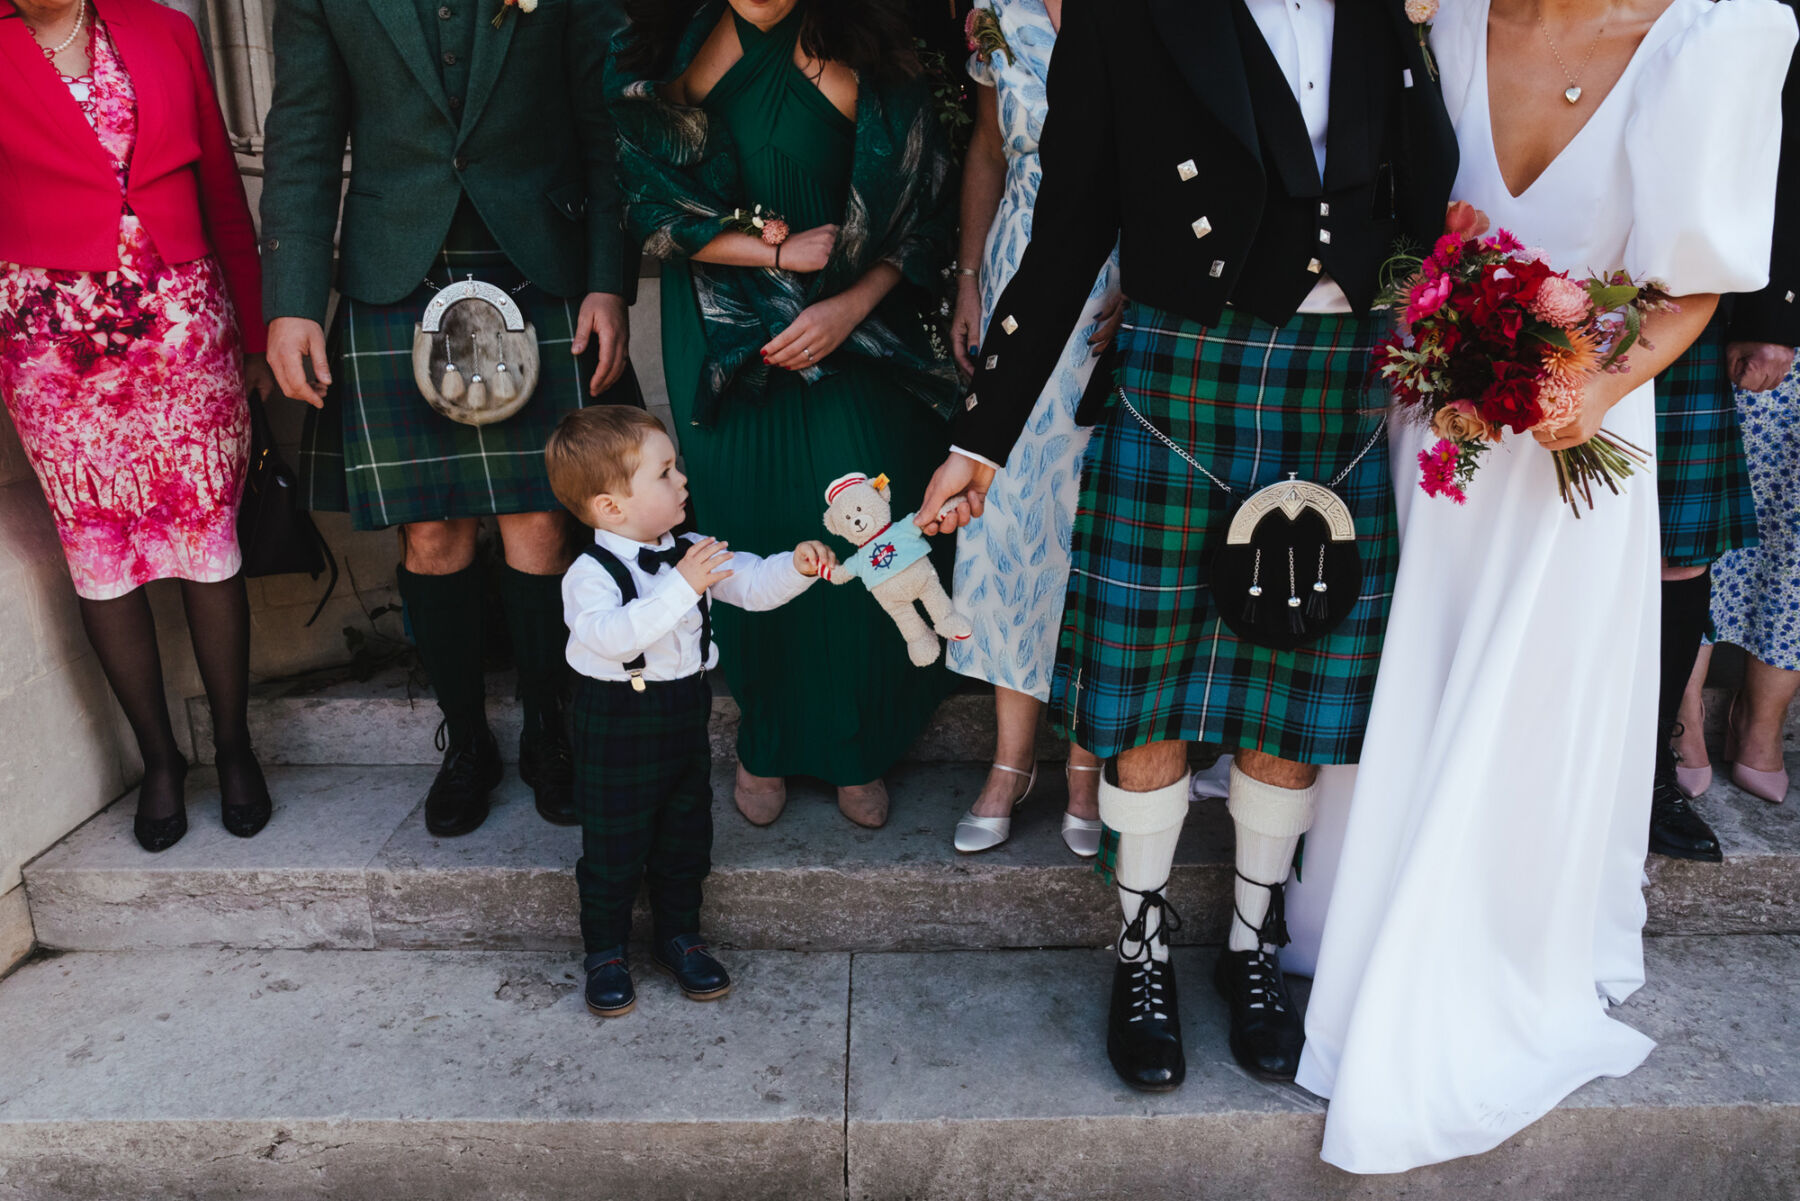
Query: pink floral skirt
x=127 y=390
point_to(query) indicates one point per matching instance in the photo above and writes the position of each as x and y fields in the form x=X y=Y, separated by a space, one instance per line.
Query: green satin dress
x=824 y=683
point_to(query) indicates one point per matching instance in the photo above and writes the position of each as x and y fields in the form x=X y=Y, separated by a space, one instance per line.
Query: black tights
x=123 y=634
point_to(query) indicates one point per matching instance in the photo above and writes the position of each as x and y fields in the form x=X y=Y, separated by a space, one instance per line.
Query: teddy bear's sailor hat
x=842 y=482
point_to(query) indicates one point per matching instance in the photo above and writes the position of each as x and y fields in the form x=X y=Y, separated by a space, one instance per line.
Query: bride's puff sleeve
x=1704 y=144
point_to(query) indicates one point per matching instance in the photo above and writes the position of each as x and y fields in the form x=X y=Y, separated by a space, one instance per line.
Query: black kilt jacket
x=1156 y=138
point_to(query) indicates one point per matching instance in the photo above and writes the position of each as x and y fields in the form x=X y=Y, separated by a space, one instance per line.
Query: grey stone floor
x=199 y=1073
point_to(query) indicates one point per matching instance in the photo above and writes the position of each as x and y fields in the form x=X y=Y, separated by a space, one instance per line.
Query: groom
x=1257 y=160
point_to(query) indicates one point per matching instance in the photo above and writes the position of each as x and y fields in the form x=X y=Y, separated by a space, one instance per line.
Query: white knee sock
x=1269 y=823
x=1148 y=825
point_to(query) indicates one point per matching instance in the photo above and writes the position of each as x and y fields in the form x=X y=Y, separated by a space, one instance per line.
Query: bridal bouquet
x=1492 y=338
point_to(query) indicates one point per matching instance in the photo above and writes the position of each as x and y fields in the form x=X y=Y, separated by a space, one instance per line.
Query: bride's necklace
x=50 y=52
x=1573 y=92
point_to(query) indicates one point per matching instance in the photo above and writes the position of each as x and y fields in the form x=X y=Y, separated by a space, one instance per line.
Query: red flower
x=1511 y=399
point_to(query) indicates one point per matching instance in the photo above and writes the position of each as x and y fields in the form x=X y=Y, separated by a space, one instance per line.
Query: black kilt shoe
x=548 y=766
x=1266 y=1033
x=458 y=800
x=1143 y=1026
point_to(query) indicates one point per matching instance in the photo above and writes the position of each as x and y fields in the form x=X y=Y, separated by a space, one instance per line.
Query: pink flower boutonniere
x=1420 y=13
x=983 y=34
x=506 y=6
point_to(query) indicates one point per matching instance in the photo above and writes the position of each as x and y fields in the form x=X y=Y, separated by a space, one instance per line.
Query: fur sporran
x=475 y=357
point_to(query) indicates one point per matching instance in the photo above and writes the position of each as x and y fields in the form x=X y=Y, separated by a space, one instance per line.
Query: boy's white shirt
x=663 y=623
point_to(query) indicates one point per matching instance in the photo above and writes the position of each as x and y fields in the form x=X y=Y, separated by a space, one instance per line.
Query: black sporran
x=1288 y=572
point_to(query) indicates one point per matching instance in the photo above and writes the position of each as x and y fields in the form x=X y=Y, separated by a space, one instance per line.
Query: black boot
x=540 y=640
x=458 y=800
x=1143 y=1021
x=700 y=976
x=1675 y=829
x=610 y=992
x=1266 y=1032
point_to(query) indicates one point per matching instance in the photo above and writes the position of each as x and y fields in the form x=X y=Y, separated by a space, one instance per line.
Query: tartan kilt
x=1702 y=480
x=378 y=451
x=1144 y=656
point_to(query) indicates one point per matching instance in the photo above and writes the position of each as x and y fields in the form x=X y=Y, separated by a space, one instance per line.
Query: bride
x=1487 y=902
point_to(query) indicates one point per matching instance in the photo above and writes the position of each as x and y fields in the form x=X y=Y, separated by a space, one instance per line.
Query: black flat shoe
x=609 y=989
x=1266 y=1033
x=458 y=800
x=1143 y=1027
x=1677 y=831
x=546 y=764
x=245 y=819
x=161 y=833
x=700 y=976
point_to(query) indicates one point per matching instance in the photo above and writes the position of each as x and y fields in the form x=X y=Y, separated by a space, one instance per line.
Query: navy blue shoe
x=700 y=976
x=609 y=990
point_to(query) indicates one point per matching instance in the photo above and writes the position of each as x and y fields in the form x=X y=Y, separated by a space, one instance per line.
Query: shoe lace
x=460 y=755
x=1262 y=975
x=1137 y=931
x=1273 y=931
x=1145 y=995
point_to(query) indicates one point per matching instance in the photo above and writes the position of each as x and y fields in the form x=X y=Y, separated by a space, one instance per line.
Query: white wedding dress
x=1486 y=903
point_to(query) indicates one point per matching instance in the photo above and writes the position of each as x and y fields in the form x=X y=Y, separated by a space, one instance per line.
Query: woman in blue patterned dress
x=1012 y=565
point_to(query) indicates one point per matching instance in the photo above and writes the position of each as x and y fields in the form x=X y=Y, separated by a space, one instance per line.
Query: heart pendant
x=1572 y=95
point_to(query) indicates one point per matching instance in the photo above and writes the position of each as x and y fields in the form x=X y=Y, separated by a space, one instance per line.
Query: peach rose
x=1419 y=12
x=1459 y=422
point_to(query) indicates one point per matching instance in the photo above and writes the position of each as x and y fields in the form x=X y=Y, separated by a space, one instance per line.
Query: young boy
x=640 y=641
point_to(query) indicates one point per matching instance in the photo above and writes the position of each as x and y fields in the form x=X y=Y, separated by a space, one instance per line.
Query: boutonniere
x=758 y=223
x=982 y=32
x=1420 y=13
x=506 y=6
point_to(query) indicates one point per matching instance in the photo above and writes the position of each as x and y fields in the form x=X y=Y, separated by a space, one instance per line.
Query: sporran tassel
x=1316 y=606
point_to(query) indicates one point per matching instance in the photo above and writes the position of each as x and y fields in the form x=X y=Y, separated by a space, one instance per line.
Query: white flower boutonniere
x=1420 y=13
x=530 y=6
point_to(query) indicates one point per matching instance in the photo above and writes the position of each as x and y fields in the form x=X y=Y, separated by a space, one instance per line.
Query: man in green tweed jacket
x=481 y=148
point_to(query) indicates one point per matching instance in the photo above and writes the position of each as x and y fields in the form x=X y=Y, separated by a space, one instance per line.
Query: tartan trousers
x=643 y=787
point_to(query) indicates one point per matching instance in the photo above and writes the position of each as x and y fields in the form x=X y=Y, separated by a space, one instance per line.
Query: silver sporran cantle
x=475 y=357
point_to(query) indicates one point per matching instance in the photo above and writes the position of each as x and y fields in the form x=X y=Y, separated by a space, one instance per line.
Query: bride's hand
x=1601 y=395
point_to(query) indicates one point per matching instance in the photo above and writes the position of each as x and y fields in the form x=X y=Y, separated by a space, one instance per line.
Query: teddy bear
x=891 y=558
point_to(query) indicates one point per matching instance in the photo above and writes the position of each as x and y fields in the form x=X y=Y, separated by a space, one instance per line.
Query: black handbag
x=275 y=532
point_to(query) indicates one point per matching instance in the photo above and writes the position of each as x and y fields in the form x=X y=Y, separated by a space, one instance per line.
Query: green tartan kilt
x=1702 y=481
x=1144 y=656
x=378 y=451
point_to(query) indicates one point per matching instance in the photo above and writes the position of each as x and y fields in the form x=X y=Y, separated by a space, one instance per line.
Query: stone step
x=347 y=863
x=332 y=718
x=871 y=1077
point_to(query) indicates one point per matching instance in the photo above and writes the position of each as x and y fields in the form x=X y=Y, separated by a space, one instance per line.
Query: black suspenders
x=621 y=576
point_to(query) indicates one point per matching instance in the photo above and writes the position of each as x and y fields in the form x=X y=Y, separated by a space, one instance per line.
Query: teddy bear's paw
x=923 y=651
x=953 y=625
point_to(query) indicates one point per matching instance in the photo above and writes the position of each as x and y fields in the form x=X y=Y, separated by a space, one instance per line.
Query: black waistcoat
x=1344 y=225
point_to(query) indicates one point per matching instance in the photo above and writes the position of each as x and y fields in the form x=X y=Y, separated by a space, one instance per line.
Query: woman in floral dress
x=127 y=262
x=1012 y=564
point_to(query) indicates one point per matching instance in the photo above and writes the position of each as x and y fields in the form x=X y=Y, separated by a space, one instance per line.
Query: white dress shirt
x=663 y=623
x=1299 y=34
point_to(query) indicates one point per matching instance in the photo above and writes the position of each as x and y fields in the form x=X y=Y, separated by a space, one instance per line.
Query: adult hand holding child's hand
x=703 y=565
x=813 y=558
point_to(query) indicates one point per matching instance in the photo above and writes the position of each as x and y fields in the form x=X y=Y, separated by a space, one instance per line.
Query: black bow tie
x=652 y=561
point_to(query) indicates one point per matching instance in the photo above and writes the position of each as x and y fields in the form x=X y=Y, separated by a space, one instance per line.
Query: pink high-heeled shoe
x=1770 y=786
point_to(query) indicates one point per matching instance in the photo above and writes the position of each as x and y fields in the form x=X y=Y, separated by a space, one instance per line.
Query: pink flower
x=1427 y=298
x=1439 y=463
x=1560 y=399
x=1420 y=12
x=1560 y=301
x=774 y=231
x=1465 y=220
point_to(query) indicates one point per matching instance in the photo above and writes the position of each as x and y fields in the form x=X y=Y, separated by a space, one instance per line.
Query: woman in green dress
x=790 y=365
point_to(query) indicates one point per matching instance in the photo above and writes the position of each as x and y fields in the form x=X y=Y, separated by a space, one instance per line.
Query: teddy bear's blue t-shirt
x=888 y=553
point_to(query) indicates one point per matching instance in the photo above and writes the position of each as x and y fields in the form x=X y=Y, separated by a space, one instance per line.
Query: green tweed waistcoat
x=518 y=122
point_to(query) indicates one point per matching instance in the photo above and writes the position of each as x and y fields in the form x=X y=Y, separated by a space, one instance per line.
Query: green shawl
x=679 y=180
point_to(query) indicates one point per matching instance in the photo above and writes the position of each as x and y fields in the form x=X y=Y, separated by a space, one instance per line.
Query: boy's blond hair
x=595 y=450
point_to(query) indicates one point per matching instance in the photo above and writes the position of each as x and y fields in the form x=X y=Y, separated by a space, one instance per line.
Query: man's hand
x=956 y=495
x=1758 y=366
x=704 y=564
x=257 y=376
x=606 y=318
x=294 y=341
